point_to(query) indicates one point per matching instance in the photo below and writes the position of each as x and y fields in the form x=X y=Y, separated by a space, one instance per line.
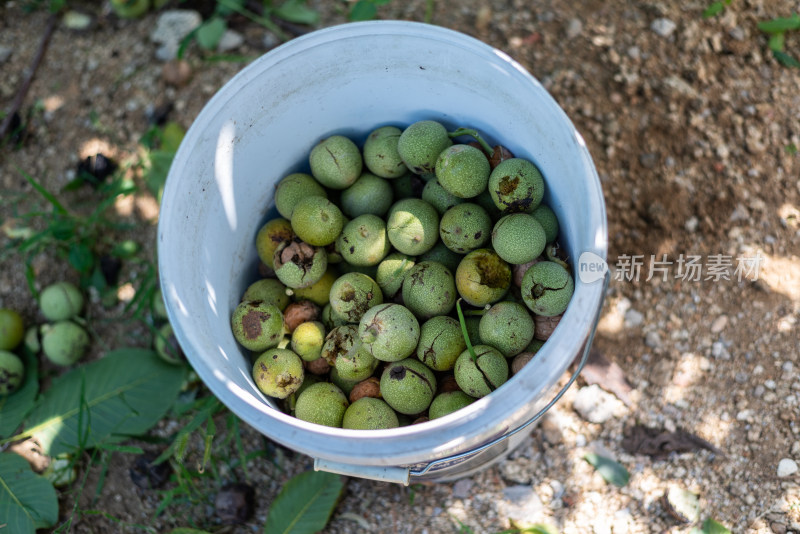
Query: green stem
x=458 y=132
x=464 y=330
x=551 y=255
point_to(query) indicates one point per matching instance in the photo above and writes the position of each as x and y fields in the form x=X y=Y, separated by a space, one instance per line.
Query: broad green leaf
x=171 y=136
x=780 y=24
x=295 y=11
x=14 y=407
x=80 y=257
x=210 y=32
x=785 y=59
x=27 y=501
x=124 y=393
x=304 y=504
x=710 y=526
x=611 y=471
x=363 y=10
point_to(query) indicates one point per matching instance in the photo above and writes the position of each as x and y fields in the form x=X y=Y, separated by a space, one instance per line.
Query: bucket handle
x=402 y=475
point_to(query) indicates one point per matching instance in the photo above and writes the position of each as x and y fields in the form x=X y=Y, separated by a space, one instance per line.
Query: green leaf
x=611 y=471
x=210 y=32
x=14 y=407
x=363 y=10
x=156 y=175
x=124 y=393
x=27 y=501
x=777 y=41
x=464 y=332
x=304 y=504
x=295 y=11
x=785 y=59
x=81 y=258
x=710 y=526
x=780 y=24
x=171 y=136
x=713 y=10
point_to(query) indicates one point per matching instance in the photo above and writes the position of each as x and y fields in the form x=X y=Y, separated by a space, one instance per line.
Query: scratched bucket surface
x=262 y=125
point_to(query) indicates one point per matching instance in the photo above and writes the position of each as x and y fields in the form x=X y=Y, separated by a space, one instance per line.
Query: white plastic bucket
x=262 y=125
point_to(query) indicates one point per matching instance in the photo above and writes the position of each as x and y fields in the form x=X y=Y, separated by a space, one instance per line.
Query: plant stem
x=458 y=132
x=464 y=331
x=26 y=84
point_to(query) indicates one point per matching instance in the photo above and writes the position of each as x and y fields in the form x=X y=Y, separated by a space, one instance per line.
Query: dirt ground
x=694 y=129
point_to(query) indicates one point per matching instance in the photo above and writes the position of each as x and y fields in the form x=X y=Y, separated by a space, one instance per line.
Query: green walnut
x=508 y=327
x=441 y=254
x=257 y=325
x=345 y=352
x=412 y=226
x=463 y=170
x=12 y=329
x=441 y=342
x=363 y=241
x=518 y=238
x=549 y=221
x=270 y=236
x=158 y=306
x=368 y=413
x=318 y=292
x=392 y=271
x=294 y=187
x=322 y=403
x=547 y=288
x=268 y=290
x=297 y=264
x=516 y=185
x=345 y=385
x=421 y=143
x=12 y=371
x=336 y=162
x=429 y=290
x=482 y=277
x=368 y=195
x=477 y=378
x=278 y=373
x=307 y=340
x=167 y=347
x=389 y=332
x=408 y=386
x=352 y=294
x=60 y=301
x=317 y=221
x=380 y=153
x=465 y=227
x=437 y=196
x=64 y=342
x=448 y=402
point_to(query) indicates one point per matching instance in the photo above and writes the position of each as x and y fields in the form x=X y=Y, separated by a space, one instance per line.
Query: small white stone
x=595 y=405
x=633 y=318
x=787 y=467
x=574 y=28
x=230 y=40
x=663 y=27
x=719 y=324
x=691 y=224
